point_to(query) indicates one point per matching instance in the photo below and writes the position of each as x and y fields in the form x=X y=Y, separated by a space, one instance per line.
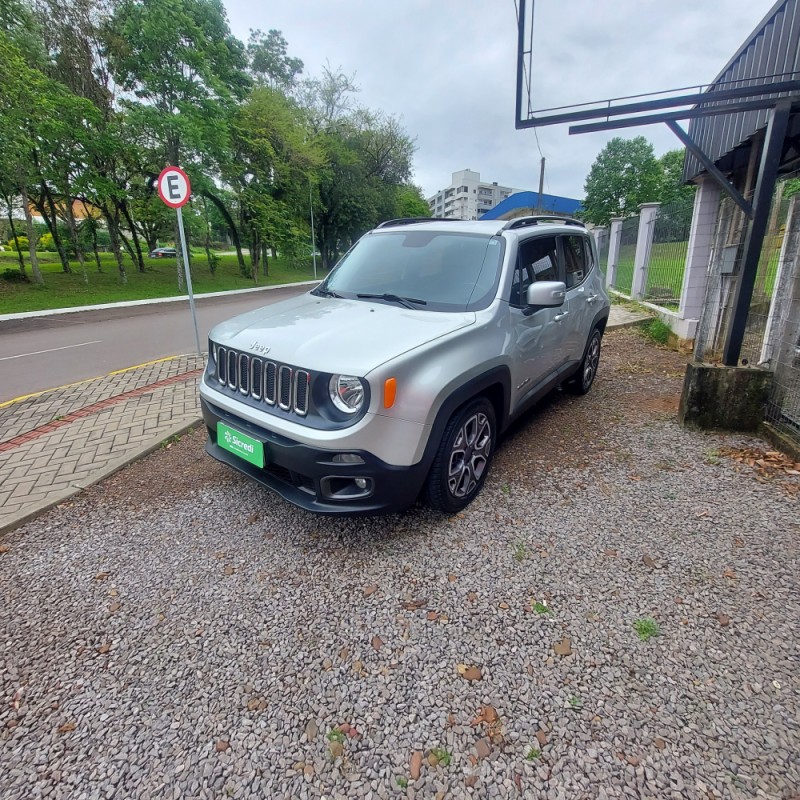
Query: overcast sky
x=447 y=69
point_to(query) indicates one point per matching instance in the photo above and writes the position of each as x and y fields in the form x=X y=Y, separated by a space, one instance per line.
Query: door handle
x=591 y=298
x=559 y=317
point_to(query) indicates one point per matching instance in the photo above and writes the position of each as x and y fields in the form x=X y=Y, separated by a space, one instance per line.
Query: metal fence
x=772 y=332
x=723 y=277
x=781 y=345
x=666 y=259
x=603 y=239
x=627 y=254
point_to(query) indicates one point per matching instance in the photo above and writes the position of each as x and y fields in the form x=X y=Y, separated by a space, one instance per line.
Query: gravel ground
x=178 y=632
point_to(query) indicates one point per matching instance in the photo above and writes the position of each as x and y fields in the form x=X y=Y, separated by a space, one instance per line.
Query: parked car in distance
x=396 y=375
x=164 y=252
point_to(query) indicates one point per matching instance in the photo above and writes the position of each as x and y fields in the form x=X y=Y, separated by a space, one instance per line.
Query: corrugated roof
x=771 y=53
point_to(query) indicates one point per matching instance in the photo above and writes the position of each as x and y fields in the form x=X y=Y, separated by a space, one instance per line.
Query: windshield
x=432 y=271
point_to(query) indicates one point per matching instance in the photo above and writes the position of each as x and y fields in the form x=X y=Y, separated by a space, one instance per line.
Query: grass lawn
x=665 y=271
x=62 y=290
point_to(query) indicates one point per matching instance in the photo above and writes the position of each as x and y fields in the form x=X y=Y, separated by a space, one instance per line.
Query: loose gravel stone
x=238 y=682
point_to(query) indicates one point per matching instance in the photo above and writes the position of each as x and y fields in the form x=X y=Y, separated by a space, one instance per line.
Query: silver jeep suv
x=396 y=375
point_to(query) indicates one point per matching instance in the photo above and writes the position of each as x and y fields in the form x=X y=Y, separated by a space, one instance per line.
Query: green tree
x=275 y=160
x=186 y=71
x=410 y=202
x=672 y=188
x=624 y=174
x=791 y=187
x=270 y=64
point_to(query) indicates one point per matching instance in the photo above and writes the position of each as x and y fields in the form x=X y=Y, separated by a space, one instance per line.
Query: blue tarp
x=550 y=202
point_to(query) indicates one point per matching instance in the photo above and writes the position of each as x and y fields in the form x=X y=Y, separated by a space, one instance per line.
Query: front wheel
x=583 y=379
x=463 y=458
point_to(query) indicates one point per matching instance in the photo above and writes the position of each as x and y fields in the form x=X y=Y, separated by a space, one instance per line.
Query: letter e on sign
x=174 y=187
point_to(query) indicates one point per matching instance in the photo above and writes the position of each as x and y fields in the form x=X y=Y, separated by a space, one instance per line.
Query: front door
x=576 y=253
x=537 y=346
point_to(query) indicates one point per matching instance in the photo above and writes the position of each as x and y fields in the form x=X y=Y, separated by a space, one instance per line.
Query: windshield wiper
x=325 y=292
x=408 y=302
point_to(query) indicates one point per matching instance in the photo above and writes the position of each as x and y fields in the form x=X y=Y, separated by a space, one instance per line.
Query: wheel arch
x=494 y=385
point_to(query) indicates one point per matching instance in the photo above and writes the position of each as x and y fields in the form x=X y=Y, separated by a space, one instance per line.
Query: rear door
x=576 y=254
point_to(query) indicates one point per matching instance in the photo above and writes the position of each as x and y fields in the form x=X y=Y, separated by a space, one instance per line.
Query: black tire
x=471 y=433
x=584 y=377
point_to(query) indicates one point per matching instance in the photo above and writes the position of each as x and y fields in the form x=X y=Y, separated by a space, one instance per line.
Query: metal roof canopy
x=758 y=87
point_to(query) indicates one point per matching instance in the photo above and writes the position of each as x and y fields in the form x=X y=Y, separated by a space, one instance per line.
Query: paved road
x=45 y=352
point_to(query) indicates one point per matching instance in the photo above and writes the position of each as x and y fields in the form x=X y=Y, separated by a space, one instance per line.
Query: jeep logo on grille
x=257 y=347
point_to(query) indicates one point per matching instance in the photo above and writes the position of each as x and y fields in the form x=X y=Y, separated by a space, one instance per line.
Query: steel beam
x=701 y=98
x=667 y=116
x=711 y=167
x=756 y=228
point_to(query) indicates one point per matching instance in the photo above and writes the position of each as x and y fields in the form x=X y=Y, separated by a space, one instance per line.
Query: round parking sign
x=174 y=187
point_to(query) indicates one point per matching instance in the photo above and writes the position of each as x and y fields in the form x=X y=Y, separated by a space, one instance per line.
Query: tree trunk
x=52 y=224
x=231 y=227
x=265 y=259
x=14 y=236
x=125 y=243
x=73 y=232
x=92 y=223
x=212 y=262
x=138 y=260
x=37 y=273
x=113 y=233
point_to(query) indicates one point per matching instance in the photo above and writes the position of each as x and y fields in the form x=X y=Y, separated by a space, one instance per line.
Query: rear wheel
x=583 y=379
x=463 y=458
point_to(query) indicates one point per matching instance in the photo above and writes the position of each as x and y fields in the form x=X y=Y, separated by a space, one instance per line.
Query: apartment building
x=468 y=197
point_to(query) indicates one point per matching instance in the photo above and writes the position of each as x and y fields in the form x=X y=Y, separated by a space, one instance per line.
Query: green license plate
x=240 y=444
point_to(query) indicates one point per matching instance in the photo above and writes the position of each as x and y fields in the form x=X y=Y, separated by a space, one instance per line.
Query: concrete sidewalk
x=55 y=443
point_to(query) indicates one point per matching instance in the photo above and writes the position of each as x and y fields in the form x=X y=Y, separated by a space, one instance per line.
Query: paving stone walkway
x=58 y=442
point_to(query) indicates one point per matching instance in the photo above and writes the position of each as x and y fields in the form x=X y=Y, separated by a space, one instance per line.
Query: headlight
x=347 y=393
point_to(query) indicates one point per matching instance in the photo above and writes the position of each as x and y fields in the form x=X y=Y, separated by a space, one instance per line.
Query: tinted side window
x=576 y=259
x=537 y=260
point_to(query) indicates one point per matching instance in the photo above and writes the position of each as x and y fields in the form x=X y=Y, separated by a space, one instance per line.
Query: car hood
x=329 y=334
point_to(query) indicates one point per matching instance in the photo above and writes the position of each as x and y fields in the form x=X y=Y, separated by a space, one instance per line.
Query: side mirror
x=545 y=294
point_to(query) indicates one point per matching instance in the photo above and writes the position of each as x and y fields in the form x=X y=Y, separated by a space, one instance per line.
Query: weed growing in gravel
x=402 y=782
x=712 y=457
x=575 y=702
x=656 y=330
x=442 y=756
x=519 y=550
x=533 y=754
x=505 y=489
x=335 y=735
x=647 y=628
x=541 y=608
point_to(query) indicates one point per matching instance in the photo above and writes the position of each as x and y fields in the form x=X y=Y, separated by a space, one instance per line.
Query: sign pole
x=175 y=189
x=188 y=278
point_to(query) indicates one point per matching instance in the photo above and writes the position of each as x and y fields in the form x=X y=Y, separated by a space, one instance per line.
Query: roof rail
x=390 y=223
x=524 y=222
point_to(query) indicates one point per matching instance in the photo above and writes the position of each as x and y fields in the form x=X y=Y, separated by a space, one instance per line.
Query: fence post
x=644 y=240
x=598 y=232
x=614 y=238
x=698 y=252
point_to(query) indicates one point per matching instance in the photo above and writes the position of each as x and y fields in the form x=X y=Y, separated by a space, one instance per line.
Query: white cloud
x=447 y=69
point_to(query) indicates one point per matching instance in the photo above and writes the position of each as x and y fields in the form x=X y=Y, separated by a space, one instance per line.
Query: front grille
x=269 y=382
x=301 y=380
x=285 y=387
x=265 y=381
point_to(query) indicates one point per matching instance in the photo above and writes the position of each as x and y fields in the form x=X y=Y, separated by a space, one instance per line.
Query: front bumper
x=302 y=474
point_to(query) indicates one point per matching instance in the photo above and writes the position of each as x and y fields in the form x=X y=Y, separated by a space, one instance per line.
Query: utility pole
x=541 y=187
